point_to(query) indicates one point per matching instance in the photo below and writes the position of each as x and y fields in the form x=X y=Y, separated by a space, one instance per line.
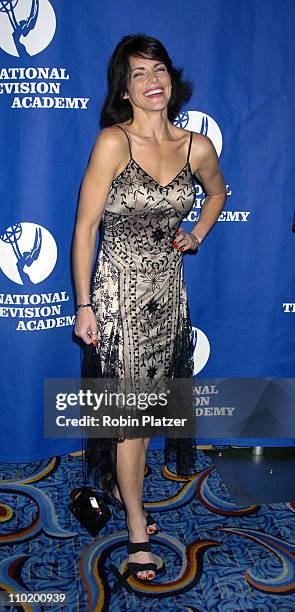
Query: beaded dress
x=138 y=290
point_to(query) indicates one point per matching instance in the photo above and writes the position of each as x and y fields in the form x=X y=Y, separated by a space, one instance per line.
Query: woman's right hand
x=86 y=325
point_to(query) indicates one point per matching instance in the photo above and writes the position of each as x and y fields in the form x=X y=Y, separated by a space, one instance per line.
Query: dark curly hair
x=118 y=110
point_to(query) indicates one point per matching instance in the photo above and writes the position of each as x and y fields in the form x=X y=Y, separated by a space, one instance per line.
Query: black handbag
x=89 y=508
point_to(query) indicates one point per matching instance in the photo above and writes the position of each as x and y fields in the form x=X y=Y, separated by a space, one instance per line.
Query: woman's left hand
x=184 y=242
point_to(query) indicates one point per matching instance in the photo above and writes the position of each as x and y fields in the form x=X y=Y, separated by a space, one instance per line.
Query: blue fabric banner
x=53 y=61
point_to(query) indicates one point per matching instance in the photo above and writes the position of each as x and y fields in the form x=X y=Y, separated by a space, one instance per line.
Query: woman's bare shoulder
x=109 y=149
x=202 y=142
x=112 y=138
x=202 y=150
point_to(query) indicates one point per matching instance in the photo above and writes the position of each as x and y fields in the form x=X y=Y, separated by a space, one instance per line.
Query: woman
x=139 y=182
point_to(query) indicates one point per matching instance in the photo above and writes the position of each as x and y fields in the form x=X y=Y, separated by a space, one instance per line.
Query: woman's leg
x=130 y=474
x=152 y=528
x=115 y=490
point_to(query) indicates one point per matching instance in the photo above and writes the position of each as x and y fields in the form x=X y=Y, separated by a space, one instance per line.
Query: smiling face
x=149 y=87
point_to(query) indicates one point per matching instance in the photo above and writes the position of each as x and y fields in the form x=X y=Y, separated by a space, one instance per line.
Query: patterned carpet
x=218 y=556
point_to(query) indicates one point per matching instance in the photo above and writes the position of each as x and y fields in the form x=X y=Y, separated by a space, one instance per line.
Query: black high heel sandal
x=150 y=521
x=133 y=567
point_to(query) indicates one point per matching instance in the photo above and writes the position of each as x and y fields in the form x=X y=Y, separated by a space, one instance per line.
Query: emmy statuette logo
x=28 y=253
x=26 y=26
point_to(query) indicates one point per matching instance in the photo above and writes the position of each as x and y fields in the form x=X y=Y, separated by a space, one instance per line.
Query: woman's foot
x=137 y=533
x=152 y=528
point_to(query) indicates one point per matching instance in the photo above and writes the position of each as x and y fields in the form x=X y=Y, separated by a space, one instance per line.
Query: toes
x=141 y=575
x=149 y=576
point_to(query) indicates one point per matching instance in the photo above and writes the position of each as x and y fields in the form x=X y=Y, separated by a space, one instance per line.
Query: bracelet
x=196 y=239
x=83 y=305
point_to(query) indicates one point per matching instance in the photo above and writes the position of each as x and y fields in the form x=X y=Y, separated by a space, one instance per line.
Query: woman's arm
x=205 y=166
x=105 y=159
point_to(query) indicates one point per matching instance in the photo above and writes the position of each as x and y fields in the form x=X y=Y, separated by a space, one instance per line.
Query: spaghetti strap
x=129 y=145
x=189 y=147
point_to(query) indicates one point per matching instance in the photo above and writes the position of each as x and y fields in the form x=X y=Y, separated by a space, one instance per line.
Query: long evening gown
x=139 y=296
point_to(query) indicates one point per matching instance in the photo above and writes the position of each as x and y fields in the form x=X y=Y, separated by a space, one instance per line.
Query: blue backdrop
x=53 y=58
